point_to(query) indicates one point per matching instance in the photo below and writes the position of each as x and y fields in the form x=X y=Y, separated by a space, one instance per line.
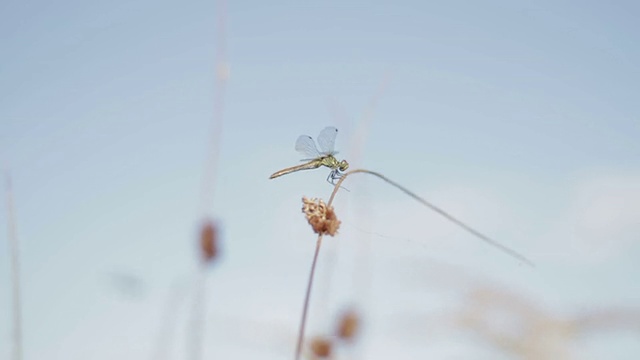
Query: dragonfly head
x=343 y=165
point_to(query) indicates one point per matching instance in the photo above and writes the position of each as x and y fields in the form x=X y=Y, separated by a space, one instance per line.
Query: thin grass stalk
x=211 y=166
x=167 y=326
x=199 y=315
x=221 y=78
x=443 y=213
x=305 y=307
x=15 y=271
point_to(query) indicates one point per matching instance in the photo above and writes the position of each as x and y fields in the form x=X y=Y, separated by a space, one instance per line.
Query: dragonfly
x=316 y=158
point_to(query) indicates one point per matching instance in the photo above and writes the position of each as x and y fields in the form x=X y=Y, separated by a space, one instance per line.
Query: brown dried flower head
x=348 y=325
x=322 y=218
x=208 y=241
x=321 y=347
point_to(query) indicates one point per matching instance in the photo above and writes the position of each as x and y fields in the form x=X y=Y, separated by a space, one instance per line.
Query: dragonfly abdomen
x=313 y=164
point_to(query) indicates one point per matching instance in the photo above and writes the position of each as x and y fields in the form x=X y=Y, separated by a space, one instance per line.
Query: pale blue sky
x=520 y=117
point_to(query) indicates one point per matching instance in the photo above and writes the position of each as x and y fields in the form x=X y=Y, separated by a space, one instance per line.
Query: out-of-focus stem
x=15 y=271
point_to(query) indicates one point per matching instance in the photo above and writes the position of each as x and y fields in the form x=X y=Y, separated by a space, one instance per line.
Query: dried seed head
x=348 y=325
x=208 y=241
x=322 y=218
x=321 y=347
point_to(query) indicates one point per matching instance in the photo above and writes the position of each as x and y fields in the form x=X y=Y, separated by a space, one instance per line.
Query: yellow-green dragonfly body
x=315 y=158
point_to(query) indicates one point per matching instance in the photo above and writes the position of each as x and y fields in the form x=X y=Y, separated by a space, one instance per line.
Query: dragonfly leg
x=330 y=178
x=336 y=175
x=333 y=176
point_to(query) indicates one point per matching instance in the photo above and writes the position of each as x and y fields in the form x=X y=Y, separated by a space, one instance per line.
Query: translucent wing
x=307 y=147
x=327 y=139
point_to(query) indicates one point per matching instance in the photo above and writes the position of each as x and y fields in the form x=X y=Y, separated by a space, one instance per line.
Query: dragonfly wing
x=307 y=147
x=327 y=139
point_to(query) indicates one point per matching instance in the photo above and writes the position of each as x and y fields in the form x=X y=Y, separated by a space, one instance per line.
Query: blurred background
x=520 y=118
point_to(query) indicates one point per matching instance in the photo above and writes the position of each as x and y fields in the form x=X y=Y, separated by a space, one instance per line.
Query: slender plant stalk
x=305 y=308
x=199 y=315
x=15 y=271
x=449 y=217
x=221 y=78
x=211 y=166
x=168 y=324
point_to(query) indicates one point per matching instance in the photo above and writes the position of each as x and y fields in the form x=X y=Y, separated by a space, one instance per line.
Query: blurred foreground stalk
x=15 y=271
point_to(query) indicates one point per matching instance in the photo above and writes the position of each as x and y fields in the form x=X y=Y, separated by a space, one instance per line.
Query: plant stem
x=307 y=297
x=449 y=217
x=199 y=314
x=15 y=271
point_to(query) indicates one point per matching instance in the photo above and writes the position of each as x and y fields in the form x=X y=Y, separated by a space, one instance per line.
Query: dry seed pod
x=348 y=325
x=321 y=347
x=208 y=241
x=322 y=218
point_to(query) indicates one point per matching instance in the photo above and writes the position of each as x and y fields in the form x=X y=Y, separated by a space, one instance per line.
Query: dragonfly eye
x=344 y=165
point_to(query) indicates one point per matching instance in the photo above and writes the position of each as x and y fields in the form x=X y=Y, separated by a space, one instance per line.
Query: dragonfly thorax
x=331 y=162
